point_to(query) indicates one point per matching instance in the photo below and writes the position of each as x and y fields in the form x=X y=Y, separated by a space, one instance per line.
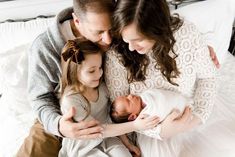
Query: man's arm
x=214 y=57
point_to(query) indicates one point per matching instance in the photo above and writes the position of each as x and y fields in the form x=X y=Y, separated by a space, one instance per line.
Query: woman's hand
x=176 y=123
x=81 y=130
x=143 y=122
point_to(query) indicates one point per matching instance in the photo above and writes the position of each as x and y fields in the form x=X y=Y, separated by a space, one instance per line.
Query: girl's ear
x=132 y=117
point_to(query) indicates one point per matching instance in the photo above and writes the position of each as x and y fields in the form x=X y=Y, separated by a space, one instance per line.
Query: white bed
x=16 y=116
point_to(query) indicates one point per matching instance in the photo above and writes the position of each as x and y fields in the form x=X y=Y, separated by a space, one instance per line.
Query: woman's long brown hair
x=154 y=21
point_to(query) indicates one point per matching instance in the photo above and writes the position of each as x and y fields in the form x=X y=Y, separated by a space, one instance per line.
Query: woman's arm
x=204 y=95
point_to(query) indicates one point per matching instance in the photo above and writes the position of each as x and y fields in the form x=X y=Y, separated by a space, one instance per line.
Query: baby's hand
x=144 y=122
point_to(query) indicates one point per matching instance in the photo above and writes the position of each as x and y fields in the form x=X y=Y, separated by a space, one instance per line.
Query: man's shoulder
x=50 y=40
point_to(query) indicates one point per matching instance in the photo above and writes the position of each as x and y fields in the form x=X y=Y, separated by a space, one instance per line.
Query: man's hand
x=214 y=57
x=81 y=130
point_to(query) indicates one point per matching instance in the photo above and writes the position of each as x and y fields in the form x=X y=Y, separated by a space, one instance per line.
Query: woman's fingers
x=186 y=116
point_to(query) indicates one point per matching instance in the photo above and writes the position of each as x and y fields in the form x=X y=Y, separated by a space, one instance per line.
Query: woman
x=166 y=52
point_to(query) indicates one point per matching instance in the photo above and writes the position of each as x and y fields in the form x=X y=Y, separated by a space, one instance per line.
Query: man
x=90 y=19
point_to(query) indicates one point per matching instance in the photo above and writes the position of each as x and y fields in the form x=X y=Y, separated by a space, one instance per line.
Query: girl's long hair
x=73 y=54
x=154 y=21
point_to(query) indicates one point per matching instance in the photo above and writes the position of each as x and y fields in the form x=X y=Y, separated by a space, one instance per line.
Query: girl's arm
x=142 y=122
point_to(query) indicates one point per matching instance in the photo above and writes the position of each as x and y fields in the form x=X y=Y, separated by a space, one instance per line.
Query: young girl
x=82 y=88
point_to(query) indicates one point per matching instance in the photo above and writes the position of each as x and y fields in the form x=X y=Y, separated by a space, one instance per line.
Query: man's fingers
x=87 y=128
x=216 y=61
x=86 y=124
x=214 y=57
x=70 y=114
x=94 y=132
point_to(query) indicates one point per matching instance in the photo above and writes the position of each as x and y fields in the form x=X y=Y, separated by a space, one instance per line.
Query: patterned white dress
x=197 y=81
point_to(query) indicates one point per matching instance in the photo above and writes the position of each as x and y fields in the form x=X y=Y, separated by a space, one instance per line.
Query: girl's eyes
x=92 y=71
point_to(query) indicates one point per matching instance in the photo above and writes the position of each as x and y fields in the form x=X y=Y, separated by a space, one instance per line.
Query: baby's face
x=131 y=104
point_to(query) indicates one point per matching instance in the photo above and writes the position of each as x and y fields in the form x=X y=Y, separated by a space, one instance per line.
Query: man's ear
x=75 y=19
x=132 y=117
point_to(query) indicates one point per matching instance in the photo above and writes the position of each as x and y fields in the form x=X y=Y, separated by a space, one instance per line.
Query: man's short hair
x=80 y=7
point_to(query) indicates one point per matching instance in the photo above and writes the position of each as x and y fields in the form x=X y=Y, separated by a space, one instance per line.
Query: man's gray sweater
x=44 y=73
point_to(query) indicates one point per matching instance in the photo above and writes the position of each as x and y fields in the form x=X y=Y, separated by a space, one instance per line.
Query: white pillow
x=13 y=37
x=214 y=18
x=13 y=73
x=18 y=33
x=16 y=39
x=15 y=113
x=24 y=9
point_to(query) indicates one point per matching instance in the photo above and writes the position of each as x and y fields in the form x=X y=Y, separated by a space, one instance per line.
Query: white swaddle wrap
x=162 y=102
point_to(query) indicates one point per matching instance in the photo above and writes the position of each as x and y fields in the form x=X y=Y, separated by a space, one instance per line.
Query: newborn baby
x=152 y=102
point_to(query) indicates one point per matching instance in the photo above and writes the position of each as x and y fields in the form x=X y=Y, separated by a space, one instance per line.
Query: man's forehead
x=98 y=21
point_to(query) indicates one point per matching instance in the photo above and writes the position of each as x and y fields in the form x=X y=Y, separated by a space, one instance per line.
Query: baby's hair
x=118 y=117
x=73 y=54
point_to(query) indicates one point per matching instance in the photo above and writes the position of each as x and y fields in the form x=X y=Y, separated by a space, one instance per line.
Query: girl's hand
x=176 y=123
x=135 y=151
x=144 y=122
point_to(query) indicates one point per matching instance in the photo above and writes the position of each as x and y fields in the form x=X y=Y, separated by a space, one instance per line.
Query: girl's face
x=91 y=71
x=136 y=40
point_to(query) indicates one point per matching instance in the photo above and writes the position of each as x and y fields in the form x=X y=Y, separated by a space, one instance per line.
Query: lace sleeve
x=115 y=76
x=206 y=83
x=153 y=133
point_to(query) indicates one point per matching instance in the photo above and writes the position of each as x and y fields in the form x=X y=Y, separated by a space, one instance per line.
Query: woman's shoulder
x=187 y=38
x=187 y=30
x=111 y=55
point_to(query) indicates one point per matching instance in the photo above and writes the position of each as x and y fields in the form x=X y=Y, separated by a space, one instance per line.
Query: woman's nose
x=131 y=47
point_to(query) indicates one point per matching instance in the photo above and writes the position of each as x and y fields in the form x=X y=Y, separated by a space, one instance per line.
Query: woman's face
x=136 y=40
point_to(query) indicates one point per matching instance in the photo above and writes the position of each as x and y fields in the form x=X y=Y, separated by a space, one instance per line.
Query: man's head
x=92 y=19
x=126 y=108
